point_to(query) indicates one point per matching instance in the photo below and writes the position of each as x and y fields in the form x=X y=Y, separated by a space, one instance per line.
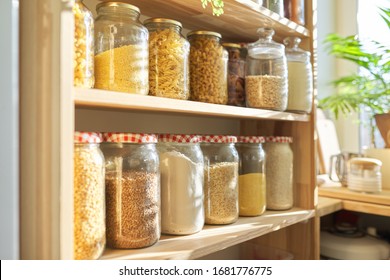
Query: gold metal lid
x=365 y=162
x=202 y=32
x=162 y=20
x=231 y=45
x=117 y=4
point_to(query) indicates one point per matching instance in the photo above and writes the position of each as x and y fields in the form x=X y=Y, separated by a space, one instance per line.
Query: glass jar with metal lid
x=132 y=189
x=266 y=73
x=252 y=184
x=208 y=67
x=121 y=49
x=220 y=179
x=168 y=59
x=279 y=172
x=182 y=171
x=89 y=200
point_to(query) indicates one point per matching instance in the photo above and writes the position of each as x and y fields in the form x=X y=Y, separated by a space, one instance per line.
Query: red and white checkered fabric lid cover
x=179 y=138
x=124 y=137
x=87 y=137
x=218 y=138
x=250 y=139
x=278 y=139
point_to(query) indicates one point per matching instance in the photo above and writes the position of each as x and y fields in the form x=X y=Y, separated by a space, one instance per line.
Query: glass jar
x=182 y=169
x=266 y=73
x=132 y=189
x=251 y=180
x=121 y=49
x=89 y=200
x=83 y=61
x=277 y=6
x=295 y=11
x=300 y=77
x=236 y=75
x=364 y=174
x=279 y=172
x=208 y=67
x=220 y=179
x=168 y=59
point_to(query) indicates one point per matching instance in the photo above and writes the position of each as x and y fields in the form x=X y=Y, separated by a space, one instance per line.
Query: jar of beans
x=208 y=67
x=89 y=201
x=220 y=179
x=132 y=189
x=279 y=172
x=252 y=184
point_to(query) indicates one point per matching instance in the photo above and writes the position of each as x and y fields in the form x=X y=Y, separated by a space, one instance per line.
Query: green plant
x=216 y=5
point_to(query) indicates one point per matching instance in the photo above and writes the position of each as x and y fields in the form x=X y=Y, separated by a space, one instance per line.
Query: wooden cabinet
x=51 y=109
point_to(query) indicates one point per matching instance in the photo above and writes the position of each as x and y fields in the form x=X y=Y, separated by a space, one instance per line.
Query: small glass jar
x=168 y=59
x=89 y=200
x=83 y=61
x=132 y=190
x=300 y=77
x=208 y=67
x=252 y=188
x=182 y=170
x=266 y=73
x=295 y=11
x=364 y=174
x=220 y=179
x=279 y=172
x=121 y=49
x=236 y=75
x=277 y=6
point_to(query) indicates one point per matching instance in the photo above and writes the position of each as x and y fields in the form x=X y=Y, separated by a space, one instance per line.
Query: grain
x=132 y=209
x=252 y=194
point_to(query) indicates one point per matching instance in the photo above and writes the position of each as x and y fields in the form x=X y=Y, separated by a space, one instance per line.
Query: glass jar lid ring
x=179 y=138
x=87 y=137
x=219 y=138
x=251 y=139
x=278 y=139
x=124 y=137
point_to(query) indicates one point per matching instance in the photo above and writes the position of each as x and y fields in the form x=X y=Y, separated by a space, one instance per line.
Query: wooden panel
x=368 y=208
x=328 y=205
x=346 y=194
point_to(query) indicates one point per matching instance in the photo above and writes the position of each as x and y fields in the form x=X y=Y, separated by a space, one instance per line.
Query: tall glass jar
x=220 y=179
x=279 y=172
x=295 y=10
x=277 y=6
x=168 y=59
x=266 y=73
x=83 y=61
x=300 y=77
x=208 y=67
x=121 y=49
x=132 y=189
x=89 y=200
x=252 y=184
x=182 y=170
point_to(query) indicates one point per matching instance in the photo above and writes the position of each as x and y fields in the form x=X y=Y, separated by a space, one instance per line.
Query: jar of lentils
x=220 y=179
x=208 y=67
x=121 y=49
x=132 y=189
x=89 y=201
x=252 y=184
x=279 y=172
x=168 y=59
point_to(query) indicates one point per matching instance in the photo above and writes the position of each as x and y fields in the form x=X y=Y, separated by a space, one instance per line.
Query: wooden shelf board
x=239 y=23
x=213 y=238
x=95 y=98
x=328 y=205
x=369 y=208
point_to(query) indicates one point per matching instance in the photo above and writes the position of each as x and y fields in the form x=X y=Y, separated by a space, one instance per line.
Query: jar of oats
x=208 y=67
x=279 y=172
x=266 y=73
x=83 y=61
x=168 y=59
x=220 y=179
x=121 y=49
x=88 y=192
x=132 y=189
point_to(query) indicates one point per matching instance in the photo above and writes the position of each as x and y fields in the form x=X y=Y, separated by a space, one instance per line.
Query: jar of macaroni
x=132 y=189
x=252 y=184
x=89 y=200
x=220 y=179
x=121 y=49
x=208 y=67
x=168 y=59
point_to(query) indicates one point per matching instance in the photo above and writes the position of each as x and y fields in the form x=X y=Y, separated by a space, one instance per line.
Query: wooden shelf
x=94 y=98
x=328 y=205
x=239 y=23
x=214 y=238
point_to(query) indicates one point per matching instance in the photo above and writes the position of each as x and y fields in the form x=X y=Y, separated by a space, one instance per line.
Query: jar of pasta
x=83 y=61
x=89 y=200
x=121 y=49
x=208 y=67
x=220 y=179
x=132 y=189
x=252 y=184
x=168 y=59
